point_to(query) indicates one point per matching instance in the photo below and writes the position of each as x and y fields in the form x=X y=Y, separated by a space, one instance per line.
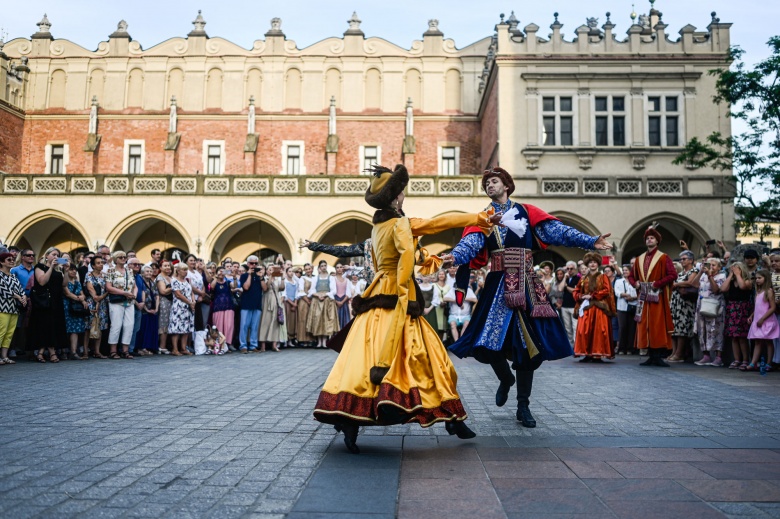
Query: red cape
x=535 y=216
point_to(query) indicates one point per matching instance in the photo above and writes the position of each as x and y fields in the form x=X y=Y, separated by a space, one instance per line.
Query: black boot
x=507 y=380
x=659 y=361
x=350 y=438
x=650 y=360
x=525 y=417
x=459 y=428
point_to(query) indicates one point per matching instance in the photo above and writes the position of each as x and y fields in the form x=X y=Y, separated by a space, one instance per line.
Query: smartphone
x=61 y=261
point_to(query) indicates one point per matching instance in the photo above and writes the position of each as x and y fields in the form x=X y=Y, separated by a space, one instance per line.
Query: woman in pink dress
x=764 y=327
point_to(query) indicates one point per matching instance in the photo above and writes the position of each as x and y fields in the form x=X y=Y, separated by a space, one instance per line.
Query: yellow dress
x=420 y=385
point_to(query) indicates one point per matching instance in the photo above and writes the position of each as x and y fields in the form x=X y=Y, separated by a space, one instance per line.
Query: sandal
x=176 y=353
x=54 y=359
x=743 y=366
x=40 y=359
x=126 y=355
x=9 y=361
x=98 y=356
x=734 y=365
x=114 y=355
x=751 y=367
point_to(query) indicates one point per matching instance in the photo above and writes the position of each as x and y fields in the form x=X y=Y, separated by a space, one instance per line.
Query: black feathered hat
x=386 y=185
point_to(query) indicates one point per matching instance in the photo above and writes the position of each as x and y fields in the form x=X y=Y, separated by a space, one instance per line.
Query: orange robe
x=656 y=327
x=594 y=330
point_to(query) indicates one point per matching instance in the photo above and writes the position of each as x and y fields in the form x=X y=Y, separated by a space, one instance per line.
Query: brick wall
x=268 y=161
x=490 y=128
x=11 y=129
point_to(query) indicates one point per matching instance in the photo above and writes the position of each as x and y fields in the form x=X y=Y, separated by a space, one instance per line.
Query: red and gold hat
x=651 y=231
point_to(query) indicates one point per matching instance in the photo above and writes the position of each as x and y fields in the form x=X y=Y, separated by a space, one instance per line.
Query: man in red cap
x=513 y=319
x=653 y=275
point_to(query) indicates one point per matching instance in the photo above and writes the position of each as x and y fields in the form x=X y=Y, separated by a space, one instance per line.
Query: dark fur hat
x=592 y=256
x=501 y=173
x=651 y=231
x=386 y=185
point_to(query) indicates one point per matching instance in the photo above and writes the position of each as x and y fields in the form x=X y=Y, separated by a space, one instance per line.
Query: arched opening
x=346 y=232
x=247 y=234
x=50 y=231
x=673 y=228
x=292 y=95
x=560 y=255
x=146 y=234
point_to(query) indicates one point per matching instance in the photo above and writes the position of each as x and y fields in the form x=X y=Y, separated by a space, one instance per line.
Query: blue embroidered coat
x=496 y=327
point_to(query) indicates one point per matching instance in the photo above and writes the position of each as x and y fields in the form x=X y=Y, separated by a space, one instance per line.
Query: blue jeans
x=136 y=328
x=250 y=323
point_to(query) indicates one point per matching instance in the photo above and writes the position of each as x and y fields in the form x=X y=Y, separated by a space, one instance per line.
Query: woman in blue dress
x=75 y=324
x=148 y=337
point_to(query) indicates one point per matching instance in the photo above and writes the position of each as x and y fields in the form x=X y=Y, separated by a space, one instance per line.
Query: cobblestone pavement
x=233 y=437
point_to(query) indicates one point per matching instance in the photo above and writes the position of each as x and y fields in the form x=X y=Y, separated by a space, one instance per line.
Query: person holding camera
x=122 y=290
x=253 y=286
x=47 y=322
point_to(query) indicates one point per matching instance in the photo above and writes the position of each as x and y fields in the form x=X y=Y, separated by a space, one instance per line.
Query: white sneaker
x=705 y=361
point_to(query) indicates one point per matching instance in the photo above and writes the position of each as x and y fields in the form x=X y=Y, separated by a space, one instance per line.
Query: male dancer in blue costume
x=513 y=318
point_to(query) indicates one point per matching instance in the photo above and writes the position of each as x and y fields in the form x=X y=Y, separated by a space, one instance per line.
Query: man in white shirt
x=458 y=315
x=451 y=272
x=625 y=294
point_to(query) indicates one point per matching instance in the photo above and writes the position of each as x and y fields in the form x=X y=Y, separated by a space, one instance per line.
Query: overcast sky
x=400 y=21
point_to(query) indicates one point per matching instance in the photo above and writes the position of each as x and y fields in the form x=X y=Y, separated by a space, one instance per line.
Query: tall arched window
x=96 y=81
x=135 y=88
x=414 y=88
x=292 y=90
x=453 y=90
x=214 y=89
x=373 y=89
x=332 y=86
x=57 y=89
x=254 y=86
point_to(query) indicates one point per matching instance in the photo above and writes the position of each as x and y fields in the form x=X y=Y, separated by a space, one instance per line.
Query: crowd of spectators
x=112 y=304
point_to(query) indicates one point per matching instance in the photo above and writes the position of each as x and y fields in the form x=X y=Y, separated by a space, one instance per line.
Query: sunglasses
x=28 y=255
x=252 y=263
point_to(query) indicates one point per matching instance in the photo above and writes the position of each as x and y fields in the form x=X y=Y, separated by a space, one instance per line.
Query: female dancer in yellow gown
x=393 y=368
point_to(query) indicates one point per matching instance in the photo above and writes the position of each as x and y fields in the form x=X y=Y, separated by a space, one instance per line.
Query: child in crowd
x=774 y=265
x=764 y=328
x=459 y=316
x=215 y=342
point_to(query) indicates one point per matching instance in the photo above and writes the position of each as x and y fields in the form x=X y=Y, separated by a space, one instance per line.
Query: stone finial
x=44 y=29
x=94 y=101
x=433 y=28
x=199 y=23
x=608 y=25
x=44 y=25
x=714 y=16
x=333 y=101
x=633 y=15
x=252 y=100
x=512 y=21
x=121 y=31
x=354 y=25
x=173 y=100
x=276 y=28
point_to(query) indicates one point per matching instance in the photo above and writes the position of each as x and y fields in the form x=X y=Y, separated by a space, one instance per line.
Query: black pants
x=500 y=365
x=627 y=329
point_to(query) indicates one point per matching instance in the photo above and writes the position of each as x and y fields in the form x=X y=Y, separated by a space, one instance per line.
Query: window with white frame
x=370 y=155
x=214 y=157
x=557 y=121
x=610 y=120
x=134 y=157
x=663 y=120
x=293 y=154
x=449 y=160
x=57 y=158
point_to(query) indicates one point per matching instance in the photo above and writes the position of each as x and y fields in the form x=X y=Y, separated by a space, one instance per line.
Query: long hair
x=42 y=259
x=741 y=266
x=766 y=286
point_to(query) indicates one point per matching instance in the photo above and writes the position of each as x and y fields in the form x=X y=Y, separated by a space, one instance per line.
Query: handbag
x=94 y=328
x=41 y=298
x=690 y=294
x=280 y=315
x=77 y=309
x=710 y=307
x=119 y=298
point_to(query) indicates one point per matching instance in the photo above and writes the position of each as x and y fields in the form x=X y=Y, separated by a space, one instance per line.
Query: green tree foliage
x=753 y=157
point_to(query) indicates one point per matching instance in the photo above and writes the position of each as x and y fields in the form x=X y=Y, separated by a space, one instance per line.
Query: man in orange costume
x=653 y=275
x=594 y=330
